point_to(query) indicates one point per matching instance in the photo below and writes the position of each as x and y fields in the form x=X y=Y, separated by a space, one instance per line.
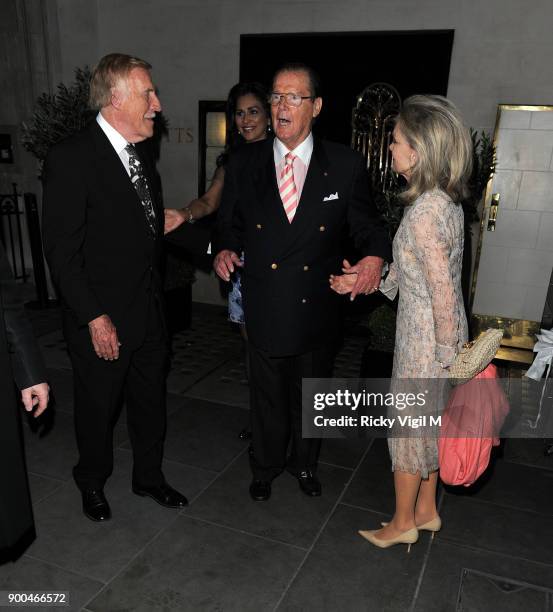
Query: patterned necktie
x=138 y=179
x=287 y=187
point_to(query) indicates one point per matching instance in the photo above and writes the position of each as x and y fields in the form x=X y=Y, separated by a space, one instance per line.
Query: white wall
x=502 y=52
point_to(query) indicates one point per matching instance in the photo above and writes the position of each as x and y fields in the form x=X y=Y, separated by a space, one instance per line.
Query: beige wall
x=29 y=44
x=516 y=260
x=502 y=53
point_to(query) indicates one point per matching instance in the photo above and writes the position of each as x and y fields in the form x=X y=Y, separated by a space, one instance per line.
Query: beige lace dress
x=431 y=322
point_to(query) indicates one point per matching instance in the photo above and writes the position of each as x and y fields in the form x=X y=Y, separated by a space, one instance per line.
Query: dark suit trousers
x=138 y=378
x=275 y=410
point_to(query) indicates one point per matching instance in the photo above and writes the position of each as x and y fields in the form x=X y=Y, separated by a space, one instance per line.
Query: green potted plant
x=57 y=116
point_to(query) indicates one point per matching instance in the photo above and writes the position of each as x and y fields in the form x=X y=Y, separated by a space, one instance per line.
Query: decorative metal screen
x=372 y=125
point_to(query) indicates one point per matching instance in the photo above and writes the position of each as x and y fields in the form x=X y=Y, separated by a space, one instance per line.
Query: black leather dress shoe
x=260 y=490
x=309 y=484
x=95 y=505
x=162 y=494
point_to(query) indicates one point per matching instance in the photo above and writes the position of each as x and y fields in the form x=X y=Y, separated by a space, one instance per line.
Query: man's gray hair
x=109 y=70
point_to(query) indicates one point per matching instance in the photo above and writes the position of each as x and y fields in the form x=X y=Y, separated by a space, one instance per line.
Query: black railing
x=11 y=232
x=17 y=242
x=37 y=255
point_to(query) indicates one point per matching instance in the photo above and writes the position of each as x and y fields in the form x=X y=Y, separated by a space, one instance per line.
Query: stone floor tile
x=52 y=449
x=289 y=516
x=30 y=574
x=447 y=576
x=204 y=434
x=373 y=484
x=345 y=572
x=494 y=528
x=42 y=486
x=99 y=550
x=193 y=565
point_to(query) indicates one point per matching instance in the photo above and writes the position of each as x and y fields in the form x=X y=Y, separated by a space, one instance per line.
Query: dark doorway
x=413 y=62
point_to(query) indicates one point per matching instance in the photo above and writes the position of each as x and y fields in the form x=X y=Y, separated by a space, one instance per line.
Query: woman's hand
x=368 y=273
x=343 y=283
x=364 y=277
x=174 y=218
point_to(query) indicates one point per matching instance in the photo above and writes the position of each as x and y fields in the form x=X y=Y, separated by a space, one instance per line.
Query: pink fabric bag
x=470 y=426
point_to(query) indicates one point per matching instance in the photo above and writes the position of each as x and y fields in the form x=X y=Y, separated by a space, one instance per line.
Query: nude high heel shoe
x=406 y=537
x=433 y=526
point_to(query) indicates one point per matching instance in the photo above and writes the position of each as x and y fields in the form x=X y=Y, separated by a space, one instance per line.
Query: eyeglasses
x=292 y=99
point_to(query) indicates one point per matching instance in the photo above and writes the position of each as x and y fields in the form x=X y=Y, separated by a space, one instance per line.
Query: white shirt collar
x=117 y=141
x=303 y=150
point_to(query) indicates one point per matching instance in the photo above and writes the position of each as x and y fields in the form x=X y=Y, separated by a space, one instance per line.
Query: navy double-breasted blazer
x=289 y=307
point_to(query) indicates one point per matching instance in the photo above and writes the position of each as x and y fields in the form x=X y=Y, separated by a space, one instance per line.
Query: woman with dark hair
x=248 y=120
x=432 y=150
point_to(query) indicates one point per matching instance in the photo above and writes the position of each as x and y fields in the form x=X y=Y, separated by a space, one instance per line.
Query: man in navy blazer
x=103 y=232
x=291 y=205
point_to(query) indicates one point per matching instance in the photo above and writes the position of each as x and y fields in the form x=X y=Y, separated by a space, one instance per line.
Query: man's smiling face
x=138 y=105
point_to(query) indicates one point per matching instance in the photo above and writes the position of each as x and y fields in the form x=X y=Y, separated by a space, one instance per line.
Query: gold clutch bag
x=475 y=356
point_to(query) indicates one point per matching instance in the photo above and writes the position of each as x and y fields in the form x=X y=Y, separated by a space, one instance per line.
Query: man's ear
x=317 y=105
x=116 y=98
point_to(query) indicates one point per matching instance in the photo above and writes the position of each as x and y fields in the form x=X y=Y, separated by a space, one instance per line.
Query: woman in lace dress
x=432 y=150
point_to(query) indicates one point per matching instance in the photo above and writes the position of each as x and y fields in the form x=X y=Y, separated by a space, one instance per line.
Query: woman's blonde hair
x=105 y=76
x=434 y=128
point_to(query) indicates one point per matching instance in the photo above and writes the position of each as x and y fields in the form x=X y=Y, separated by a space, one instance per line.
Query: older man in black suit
x=103 y=231
x=288 y=203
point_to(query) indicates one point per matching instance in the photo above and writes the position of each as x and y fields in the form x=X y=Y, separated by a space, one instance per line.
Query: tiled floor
x=225 y=552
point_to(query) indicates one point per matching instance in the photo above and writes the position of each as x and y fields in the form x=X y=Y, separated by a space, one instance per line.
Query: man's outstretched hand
x=224 y=263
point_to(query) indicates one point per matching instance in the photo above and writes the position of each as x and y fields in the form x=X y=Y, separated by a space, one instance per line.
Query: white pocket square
x=332 y=196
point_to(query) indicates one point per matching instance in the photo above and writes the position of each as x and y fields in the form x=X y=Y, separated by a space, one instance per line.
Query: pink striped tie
x=287 y=187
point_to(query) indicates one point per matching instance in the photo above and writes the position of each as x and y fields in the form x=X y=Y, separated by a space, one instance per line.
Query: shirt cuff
x=445 y=355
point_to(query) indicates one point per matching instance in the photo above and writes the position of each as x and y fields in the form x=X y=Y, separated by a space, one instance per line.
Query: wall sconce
x=211 y=142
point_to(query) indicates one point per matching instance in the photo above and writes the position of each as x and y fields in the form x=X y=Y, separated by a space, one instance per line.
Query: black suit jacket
x=27 y=364
x=289 y=307
x=103 y=257
x=20 y=359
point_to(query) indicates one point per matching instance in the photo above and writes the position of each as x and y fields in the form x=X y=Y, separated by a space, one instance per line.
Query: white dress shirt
x=117 y=141
x=303 y=154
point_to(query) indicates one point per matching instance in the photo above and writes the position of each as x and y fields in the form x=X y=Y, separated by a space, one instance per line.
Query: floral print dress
x=235 y=308
x=431 y=322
